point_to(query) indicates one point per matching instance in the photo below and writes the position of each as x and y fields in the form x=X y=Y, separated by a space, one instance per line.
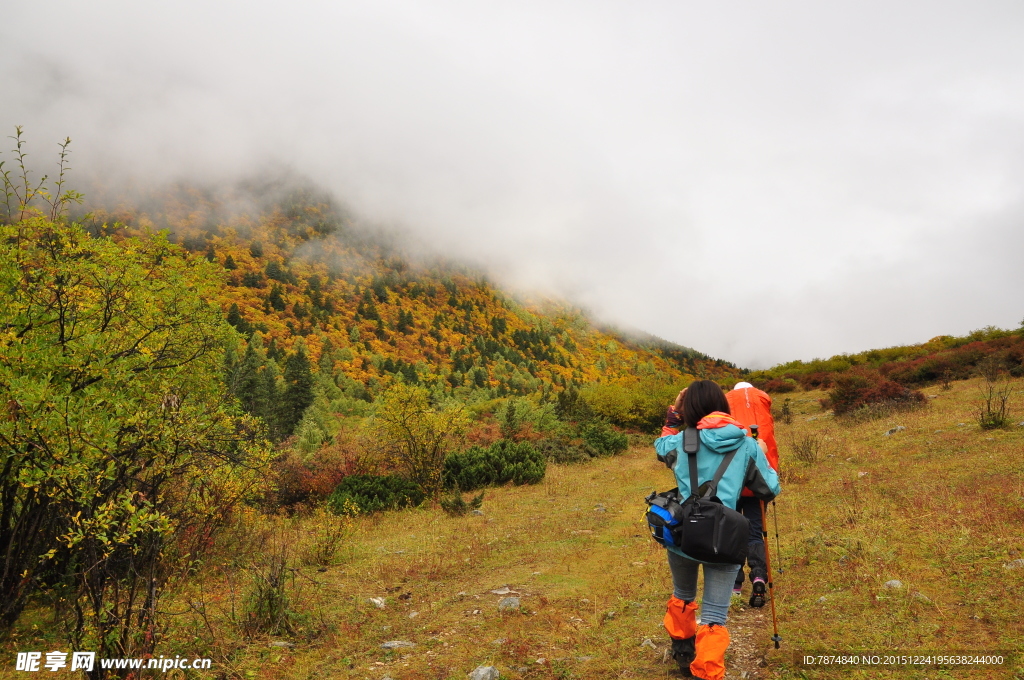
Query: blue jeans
x=718 y=580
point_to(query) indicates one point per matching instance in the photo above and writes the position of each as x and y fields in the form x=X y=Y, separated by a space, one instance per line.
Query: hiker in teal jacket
x=700 y=650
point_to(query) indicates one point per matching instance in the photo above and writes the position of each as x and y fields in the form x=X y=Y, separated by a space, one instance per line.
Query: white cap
x=741 y=385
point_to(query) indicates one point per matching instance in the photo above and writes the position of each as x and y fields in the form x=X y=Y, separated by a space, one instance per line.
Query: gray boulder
x=484 y=673
x=508 y=604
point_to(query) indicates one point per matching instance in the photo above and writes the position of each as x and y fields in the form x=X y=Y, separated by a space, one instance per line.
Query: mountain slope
x=297 y=265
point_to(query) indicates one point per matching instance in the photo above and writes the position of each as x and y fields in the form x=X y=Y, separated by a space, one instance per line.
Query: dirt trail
x=751 y=631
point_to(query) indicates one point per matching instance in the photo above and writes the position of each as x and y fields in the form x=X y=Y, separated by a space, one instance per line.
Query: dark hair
x=703 y=397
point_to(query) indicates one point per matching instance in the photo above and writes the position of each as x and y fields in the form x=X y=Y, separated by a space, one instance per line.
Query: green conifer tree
x=298 y=389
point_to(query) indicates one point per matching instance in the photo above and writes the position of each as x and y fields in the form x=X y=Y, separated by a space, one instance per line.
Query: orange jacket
x=751 y=406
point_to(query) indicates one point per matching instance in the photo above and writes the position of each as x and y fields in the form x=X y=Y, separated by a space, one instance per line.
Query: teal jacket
x=749 y=467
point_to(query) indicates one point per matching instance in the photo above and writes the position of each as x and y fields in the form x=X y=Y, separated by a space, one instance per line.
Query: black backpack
x=700 y=526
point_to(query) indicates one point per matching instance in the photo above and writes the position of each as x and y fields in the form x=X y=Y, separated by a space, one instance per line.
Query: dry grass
x=941 y=511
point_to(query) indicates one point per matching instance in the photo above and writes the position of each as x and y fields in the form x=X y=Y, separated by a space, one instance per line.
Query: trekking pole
x=776 y=638
x=778 y=550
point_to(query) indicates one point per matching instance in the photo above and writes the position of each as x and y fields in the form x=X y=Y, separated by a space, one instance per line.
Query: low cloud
x=759 y=182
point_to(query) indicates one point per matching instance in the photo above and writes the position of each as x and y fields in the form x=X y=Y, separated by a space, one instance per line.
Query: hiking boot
x=684 y=652
x=757 y=597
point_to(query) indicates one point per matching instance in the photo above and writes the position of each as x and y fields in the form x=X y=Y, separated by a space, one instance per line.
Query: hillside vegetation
x=936 y=506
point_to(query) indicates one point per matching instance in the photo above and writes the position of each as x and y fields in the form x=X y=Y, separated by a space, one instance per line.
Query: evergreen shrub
x=601 y=440
x=562 y=450
x=502 y=462
x=375 y=493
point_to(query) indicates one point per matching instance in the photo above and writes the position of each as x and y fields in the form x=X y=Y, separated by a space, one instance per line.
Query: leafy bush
x=501 y=462
x=521 y=418
x=855 y=389
x=638 y=406
x=415 y=436
x=601 y=440
x=120 y=449
x=373 y=493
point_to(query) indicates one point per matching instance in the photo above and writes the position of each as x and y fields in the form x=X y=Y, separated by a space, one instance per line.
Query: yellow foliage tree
x=416 y=437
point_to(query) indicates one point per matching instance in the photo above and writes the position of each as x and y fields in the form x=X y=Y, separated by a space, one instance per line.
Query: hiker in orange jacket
x=751 y=406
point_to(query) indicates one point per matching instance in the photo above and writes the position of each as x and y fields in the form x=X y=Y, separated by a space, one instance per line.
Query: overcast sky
x=760 y=181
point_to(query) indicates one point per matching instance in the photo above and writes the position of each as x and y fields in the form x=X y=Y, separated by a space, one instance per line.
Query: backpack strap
x=691 y=444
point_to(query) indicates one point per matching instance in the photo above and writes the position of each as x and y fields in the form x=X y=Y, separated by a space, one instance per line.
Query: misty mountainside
x=300 y=271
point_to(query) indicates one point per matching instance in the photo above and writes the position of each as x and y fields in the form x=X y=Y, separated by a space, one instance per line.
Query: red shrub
x=309 y=480
x=817 y=380
x=483 y=433
x=856 y=388
x=778 y=386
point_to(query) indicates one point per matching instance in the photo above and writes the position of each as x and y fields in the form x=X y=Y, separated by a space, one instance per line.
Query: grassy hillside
x=937 y=506
x=940 y=360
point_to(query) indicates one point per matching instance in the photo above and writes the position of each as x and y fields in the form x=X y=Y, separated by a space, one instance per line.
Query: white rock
x=1016 y=564
x=648 y=643
x=861 y=474
x=895 y=583
x=282 y=643
x=379 y=602
x=502 y=591
x=413 y=615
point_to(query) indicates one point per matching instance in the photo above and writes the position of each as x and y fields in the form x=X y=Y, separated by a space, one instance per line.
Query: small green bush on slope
x=502 y=462
x=373 y=493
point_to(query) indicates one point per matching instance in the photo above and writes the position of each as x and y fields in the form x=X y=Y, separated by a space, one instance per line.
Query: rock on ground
x=484 y=673
x=397 y=644
x=508 y=604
